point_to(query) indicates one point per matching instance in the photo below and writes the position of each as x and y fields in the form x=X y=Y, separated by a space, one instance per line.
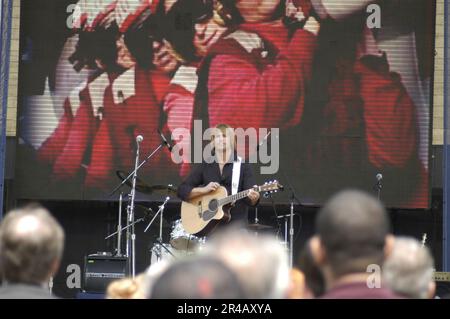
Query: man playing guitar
x=208 y=176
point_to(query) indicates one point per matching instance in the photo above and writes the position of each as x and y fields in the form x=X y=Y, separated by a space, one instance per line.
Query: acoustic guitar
x=201 y=214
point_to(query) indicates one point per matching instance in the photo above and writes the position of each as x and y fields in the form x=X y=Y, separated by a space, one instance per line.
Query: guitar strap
x=236 y=176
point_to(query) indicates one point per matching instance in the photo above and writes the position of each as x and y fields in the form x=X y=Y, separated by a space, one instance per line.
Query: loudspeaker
x=100 y=270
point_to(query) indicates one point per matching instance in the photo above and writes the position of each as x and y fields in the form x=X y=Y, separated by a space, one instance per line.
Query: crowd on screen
x=311 y=68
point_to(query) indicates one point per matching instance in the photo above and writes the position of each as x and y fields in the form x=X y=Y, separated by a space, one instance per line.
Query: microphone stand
x=137 y=167
x=160 y=212
x=119 y=228
x=291 y=231
x=131 y=238
x=161 y=245
x=125 y=228
x=378 y=187
x=130 y=210
x=293 y=198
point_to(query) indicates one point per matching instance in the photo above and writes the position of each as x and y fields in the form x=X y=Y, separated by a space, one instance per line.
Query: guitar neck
x=237 y=196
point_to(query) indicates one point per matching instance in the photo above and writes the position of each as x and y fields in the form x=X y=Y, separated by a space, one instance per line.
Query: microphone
x=160 y=211
x=263 y=141
x=165 y=201
x=163 y=138
x=379 y=177
x=139 y=138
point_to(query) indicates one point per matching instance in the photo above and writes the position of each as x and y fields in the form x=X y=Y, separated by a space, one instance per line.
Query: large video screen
x=325 y=95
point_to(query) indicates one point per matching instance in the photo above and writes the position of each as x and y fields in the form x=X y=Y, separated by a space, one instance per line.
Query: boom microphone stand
x=126 y=228
x=131 y=235
x=160 y=211
x=136 y=168
x=130 y=209
x=378 y=185
x=119 y=228
x=293 y=198
x=291 y=217
x=291 y=231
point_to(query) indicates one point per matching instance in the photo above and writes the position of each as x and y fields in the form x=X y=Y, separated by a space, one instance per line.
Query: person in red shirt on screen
x=359 y=120
x=133 y=102
x=252 y=69
x=67 y=149
x=256 y=75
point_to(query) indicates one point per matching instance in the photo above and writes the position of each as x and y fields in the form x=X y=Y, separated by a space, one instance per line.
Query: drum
x=162 y=252
x=182 y=240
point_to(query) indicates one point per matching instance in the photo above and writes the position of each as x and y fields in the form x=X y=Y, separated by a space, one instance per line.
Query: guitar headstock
x=271 y=187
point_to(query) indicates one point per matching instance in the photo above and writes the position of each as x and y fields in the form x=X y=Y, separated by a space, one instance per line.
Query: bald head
x=352 y=227
x=31 y=245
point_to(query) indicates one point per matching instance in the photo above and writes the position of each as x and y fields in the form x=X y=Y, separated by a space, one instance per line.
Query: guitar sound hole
x=213 y=205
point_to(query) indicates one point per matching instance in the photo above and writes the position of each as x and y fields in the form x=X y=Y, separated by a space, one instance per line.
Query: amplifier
x=100 y=270
x=441 y=276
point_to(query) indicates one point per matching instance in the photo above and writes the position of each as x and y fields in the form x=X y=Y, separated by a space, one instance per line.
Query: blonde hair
x=297 y=284
x=225 y=129
x=127 y=288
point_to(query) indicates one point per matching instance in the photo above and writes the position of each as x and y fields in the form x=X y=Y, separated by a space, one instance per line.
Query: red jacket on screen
x=132 y=106
x=368 y=125
x=84 y=127
x=179 y=112
x=102 y=165
x=256 y=77
x=54 y=144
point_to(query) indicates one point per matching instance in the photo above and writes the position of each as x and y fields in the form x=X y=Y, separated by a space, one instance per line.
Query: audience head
x=127 y=288
x=408 y=270
x=31 y=245
x=352 y=233
x=153 y=273
x=297 y=287
x=314 y=281
x=261 y=263
x=202 y=277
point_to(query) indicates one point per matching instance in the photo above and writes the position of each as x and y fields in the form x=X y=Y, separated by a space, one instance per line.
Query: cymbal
x=142 y=187
x=258 y=226
x=147 y=213
x=169 y=190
